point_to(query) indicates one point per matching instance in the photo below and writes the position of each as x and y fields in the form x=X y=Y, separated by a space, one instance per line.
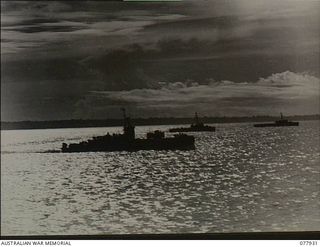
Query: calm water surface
x=239 y=178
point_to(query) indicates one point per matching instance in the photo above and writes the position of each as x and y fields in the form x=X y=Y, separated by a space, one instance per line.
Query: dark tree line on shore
x=82 y=123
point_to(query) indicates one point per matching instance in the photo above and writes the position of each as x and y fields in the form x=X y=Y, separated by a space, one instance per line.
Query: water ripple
x=239 y=178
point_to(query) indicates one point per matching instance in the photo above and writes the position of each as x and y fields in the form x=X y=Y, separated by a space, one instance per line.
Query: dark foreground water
x=239 y=178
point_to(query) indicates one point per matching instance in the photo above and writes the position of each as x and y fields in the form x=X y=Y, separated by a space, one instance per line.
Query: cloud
x=258 y=23
x=49 y=22
x=293 y=93
x=55 y=52
x=138 y=66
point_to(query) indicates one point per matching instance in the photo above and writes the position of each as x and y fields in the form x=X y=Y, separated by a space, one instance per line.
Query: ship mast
x=196 y=118
x=128 y=128
x=124 y=116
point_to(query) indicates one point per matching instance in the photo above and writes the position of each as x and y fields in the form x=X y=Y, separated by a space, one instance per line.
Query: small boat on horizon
x=282 y=122
x=197 y=126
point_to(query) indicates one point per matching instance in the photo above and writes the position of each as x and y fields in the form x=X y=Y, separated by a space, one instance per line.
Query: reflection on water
x=239 y=178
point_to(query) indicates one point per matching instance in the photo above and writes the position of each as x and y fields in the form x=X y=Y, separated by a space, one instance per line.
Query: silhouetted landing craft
x=279 y=123
x=197 y=126
x=127 y=142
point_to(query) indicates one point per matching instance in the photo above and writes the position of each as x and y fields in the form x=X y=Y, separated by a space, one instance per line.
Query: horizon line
x=145 y=118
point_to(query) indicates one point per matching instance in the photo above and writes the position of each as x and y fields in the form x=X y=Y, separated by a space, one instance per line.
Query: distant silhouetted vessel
x=127 y=142
x=279 y=123
x=197 y=126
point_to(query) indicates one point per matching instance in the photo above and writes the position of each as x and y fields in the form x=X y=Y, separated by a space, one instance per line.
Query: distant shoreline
x=88 y=123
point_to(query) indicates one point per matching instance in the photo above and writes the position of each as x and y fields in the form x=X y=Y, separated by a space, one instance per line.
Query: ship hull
x=276 y=124
x=174 y=143
x=207 y=129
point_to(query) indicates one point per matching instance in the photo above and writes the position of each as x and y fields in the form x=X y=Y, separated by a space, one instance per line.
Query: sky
x=87 y=59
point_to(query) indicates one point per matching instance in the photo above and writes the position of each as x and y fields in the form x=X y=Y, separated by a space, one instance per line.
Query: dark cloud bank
x=63 y=60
